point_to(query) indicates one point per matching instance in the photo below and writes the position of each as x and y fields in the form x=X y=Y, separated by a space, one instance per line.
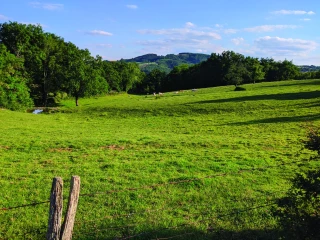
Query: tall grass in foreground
x=125 y=141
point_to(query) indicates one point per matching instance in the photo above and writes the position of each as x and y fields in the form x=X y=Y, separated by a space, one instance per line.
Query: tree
x=255 y=70
x=234 y=68
x=112 y=75
x=153 y=81
x=14 y=93
x=83 y=73
x=42 y=54
x=130 y=74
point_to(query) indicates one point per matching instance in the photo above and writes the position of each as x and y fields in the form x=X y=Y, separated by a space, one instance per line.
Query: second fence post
x=67 y=227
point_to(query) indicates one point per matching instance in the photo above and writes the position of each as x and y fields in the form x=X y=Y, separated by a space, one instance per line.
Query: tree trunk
x=77 y=98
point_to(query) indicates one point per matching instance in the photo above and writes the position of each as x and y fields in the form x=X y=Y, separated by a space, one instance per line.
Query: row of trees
x=39 y=68
x=223 y=69
x=36 y=67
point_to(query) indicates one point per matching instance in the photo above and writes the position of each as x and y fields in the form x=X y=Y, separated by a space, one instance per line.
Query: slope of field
x=227 y=156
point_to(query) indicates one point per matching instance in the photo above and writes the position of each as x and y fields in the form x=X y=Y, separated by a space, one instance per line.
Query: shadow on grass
x=279 y=96
x=186 y=233
x=299 y=82
x=304 y=118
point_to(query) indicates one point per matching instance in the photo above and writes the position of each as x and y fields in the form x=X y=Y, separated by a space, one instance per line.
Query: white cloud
x=293 y=12
x=99 y=32
x=218 y=25
x=190 y=38
x=104 y=45
x=237 y=41
x=276 y=46
x=132 y=6
x=175 y=45
x=305 y=19
x=47 y=6
x=230 y=31
x=2 y=17
x=269 y=28
x=182 y=32
x=189 y=25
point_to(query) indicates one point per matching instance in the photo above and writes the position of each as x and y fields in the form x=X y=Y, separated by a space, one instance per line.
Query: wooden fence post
x=55 y=211
x=67 y=228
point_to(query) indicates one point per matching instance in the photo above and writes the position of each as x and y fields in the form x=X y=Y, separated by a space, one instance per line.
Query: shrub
x=240 y=89
x=299 y=211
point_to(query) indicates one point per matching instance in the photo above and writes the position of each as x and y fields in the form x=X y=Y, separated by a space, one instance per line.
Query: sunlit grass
x=127 y=141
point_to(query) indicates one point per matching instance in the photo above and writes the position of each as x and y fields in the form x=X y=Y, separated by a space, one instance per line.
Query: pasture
x=238 y=149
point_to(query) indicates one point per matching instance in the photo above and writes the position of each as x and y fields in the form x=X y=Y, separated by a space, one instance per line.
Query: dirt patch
x=5 y=147
x=114 y=147
x=60 y=150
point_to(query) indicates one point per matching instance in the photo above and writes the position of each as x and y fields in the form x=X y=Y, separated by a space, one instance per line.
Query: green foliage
x=122 y=76
x=14 y=93
x=152 y=82
x=150 y=62
x=52 y=64
x=299 y=211
x=313 y=139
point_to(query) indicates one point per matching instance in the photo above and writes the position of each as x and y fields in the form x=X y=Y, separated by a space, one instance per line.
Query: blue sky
x=116 y=29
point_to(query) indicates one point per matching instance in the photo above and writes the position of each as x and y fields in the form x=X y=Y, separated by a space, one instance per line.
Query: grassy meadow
x=128 y=141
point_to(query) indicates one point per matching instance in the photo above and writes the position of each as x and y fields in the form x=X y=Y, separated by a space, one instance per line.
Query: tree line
x=227 y=68
x=40 y=68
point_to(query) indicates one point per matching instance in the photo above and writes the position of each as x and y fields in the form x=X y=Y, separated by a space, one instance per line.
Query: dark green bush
x=299 y=211
x=240 y=89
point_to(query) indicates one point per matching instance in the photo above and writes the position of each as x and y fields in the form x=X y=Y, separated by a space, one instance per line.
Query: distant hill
x=148 y=62
x=307 y=68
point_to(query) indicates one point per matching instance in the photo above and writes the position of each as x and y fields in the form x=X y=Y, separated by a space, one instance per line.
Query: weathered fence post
x=67 y=228
x=55 y=211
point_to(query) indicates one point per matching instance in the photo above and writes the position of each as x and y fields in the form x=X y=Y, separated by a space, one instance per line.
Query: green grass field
x=125 y=141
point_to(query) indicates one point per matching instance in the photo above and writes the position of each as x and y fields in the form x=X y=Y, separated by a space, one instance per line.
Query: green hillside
x=148 y=62
x=204 y=164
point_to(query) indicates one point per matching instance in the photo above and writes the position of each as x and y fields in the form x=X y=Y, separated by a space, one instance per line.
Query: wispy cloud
x=190 y=25
x=190 y=38
x=231 y=31
x=237 y=41
x=269 y=28
x=2 y=17
x=305 y=19
x=175 y=45
x=182 y=32
x=47 y=6
x=99 y=32
x=293 y=12
x=132 y=6
x=276 y=46
x=36 y=24
x=104 y=45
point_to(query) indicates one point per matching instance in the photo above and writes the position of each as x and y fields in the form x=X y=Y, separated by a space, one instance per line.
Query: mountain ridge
x=151 y=61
